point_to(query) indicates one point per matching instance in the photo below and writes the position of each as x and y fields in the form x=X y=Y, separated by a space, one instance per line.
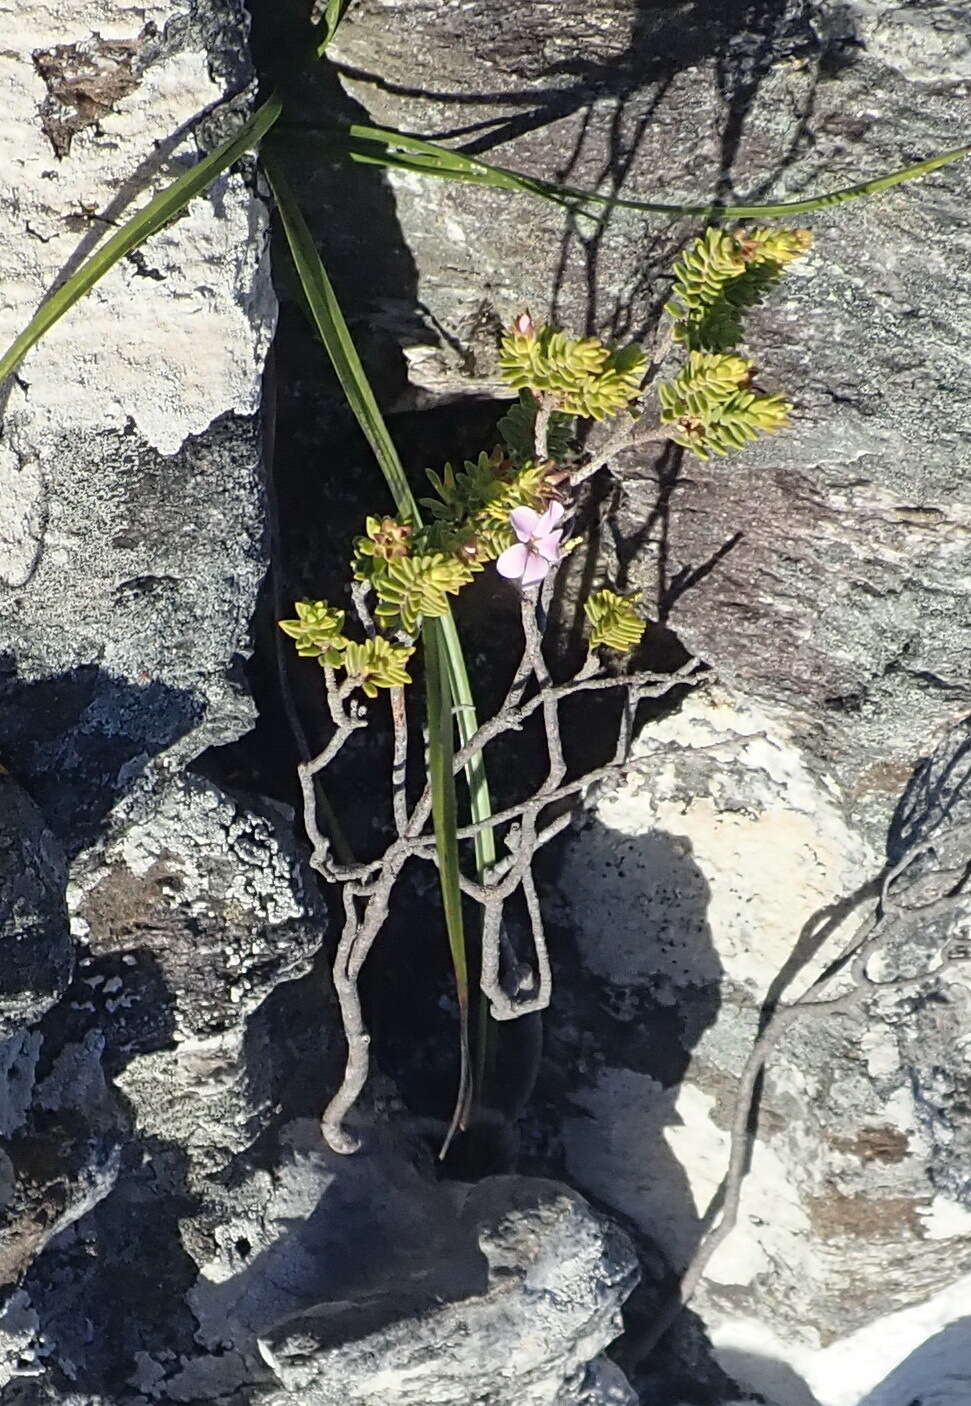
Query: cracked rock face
x=131 y=519
x=165 y=1012
x=146 y=919
x=551 y=1276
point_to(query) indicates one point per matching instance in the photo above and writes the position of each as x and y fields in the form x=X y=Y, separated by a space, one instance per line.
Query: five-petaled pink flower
x=538 y=547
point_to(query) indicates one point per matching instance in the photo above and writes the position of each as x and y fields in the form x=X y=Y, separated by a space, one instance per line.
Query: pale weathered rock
x=18 y=1327
x=714 y=882
x=97 y=99
x=131 y=516
x=552 y=1279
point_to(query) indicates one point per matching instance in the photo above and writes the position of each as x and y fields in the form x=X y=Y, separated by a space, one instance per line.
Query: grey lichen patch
x=84 y=82
x=201 y=866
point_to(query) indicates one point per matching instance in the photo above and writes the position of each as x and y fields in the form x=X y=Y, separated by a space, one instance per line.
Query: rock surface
x=36 y=950
x=172 y=1230
x=131 y=519
x=164 y=1004
x=713 y=884
x=824 y=569
x=551 y=1279
x=146 y=918
x=823 y=576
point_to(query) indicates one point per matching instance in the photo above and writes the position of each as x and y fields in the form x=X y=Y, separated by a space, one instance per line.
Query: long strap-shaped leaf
x=168 y=203
x=334 y=333
x=441 y=758
x=331 y=14
x=380 y=146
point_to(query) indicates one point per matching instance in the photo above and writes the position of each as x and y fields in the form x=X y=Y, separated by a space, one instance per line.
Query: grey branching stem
x=820 y=1002
x=512 y=987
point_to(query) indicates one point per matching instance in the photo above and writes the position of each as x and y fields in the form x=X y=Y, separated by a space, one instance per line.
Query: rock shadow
x=81 y=740
x=368 y=1240
x=768 y=1378
x=938 y=1373
x=112 y=1283
x=637 y=983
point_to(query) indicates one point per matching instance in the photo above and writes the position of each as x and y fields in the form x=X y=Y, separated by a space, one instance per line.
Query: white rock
x=204 y=313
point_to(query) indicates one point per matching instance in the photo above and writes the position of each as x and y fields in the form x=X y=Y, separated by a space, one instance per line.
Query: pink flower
x=538 y=547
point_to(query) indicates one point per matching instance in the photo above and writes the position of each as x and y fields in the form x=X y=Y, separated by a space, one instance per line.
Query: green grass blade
x=441 y=758
x=383 y=147
x=135 y=231
x=329 y=321
x=480 y=801
x=329 y=23
x=334 y=333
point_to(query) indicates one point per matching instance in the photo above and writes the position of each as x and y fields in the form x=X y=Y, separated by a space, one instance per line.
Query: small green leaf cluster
x=583 y=378
x=377 y=663
x=614 y=621
x=413 y=571
x=416 y=588
x=318 y=631
x=518 y=430
x=710 y=408
x=723 y=274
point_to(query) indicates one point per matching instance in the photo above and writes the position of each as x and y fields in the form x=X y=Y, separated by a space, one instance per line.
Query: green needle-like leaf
x=329 y=321
x=135 y=231
x=381 y=146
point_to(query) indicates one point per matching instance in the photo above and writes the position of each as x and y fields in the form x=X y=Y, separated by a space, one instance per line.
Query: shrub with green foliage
x=710 y=407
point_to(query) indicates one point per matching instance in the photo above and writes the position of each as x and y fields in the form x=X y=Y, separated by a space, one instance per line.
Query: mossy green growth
x=377 y=663
x=710 y=407
x=583 y=378
x=722 y=274
x=614 y=621
x=318 y=631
